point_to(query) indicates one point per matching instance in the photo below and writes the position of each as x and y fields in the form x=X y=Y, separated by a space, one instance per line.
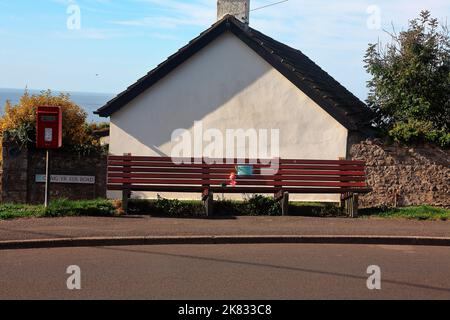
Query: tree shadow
x=279 y=267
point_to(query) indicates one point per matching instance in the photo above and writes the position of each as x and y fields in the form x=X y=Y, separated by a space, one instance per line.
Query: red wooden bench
x=160 y=174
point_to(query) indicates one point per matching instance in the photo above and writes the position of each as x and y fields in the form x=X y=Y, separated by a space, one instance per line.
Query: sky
x=106 y=45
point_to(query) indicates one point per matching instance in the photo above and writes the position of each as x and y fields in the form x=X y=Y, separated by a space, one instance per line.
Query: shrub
x=260 y=205
x=415 y=131
x=175 y=207
x=166 y=207
x=253 y=206
x=64 y=207
x=228 y=207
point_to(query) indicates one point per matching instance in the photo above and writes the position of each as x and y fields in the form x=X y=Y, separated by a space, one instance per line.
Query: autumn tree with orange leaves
x=18 y=123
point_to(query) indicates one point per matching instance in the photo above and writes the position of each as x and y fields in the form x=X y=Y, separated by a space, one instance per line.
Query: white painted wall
x=227 y=86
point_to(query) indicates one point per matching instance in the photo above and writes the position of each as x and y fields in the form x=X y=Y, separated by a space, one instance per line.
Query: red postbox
x=49 y=127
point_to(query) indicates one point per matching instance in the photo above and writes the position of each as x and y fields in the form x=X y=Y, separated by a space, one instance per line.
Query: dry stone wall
x=21 y=164
x=404 y=176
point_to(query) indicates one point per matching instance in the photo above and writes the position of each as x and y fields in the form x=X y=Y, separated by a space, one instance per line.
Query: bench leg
x=208 y=201
x=125 y=197
x=355 y=203
x=351 y=205
x=285 y=204
x=344 y=202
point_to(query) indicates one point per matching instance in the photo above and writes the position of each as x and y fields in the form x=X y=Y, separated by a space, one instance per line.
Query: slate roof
x=318 y=85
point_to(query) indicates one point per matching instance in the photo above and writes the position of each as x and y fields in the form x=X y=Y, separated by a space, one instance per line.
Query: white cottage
x=235 y=77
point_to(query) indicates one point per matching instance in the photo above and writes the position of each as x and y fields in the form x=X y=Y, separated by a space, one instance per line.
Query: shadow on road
x=46 y=234
x=255 y=264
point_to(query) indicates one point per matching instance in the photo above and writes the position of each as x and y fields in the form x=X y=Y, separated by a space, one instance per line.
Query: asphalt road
x=227 y=272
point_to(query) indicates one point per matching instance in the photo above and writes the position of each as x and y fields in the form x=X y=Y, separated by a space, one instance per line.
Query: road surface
x=297 y=271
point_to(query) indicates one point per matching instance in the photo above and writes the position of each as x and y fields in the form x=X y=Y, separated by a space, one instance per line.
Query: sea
x=86 y=100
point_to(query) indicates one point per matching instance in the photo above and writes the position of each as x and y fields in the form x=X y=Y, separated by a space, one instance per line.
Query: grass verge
x=59 y=208
x=13 y=211
x=254 y=206
x=414 y=213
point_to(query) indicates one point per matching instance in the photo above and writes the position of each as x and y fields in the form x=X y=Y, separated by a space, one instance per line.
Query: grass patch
x=415 y=213
x=13 y=211
x=58 y=208
x=252 y=206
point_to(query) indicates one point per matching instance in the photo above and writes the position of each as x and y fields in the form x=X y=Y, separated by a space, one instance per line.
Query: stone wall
x=21 y=164
x=403 y=176
x=15 y=174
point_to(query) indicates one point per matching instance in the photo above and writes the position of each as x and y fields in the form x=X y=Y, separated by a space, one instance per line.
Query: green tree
x=410 y=85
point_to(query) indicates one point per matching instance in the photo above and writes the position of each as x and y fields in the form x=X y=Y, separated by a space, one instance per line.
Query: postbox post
x=47 y=178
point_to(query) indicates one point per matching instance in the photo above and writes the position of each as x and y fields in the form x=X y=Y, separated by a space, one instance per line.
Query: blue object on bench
x=244 y=170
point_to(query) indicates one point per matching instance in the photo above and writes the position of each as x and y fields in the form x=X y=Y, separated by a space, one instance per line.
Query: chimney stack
x=238 y=8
